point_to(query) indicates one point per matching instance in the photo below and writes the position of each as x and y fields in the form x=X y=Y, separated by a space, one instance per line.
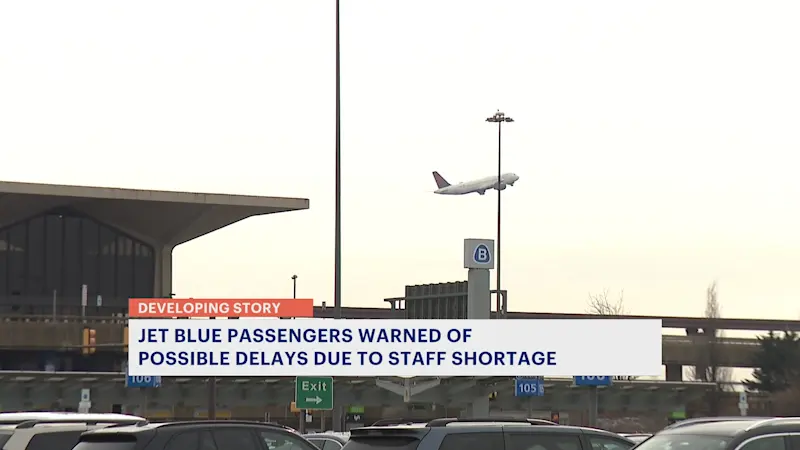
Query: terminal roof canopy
x=160 y=218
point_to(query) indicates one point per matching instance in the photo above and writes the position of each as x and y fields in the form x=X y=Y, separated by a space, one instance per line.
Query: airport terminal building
x=117 y=242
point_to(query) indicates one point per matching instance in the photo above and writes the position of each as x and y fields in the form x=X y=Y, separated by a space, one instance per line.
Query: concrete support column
x=163 y=276
x=674 y=372
x=480 y=407
x=338 y=418
x=479 y=260
x=479 y=302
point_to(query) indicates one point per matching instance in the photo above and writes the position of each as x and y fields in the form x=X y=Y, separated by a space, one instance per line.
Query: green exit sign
x=313 y=393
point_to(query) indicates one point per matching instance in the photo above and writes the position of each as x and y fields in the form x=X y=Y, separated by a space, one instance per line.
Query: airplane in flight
x=467 y=187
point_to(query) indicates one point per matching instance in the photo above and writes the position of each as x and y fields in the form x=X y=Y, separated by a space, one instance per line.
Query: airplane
x=480 y=186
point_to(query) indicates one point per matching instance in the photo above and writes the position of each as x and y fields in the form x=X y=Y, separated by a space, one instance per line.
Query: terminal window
x=55 y=253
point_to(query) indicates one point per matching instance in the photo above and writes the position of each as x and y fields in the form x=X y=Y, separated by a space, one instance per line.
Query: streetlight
x=294 y=286
x=499 y=118
x=337 y=239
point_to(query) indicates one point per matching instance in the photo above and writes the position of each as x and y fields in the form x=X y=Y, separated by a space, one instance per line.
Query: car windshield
x=684 y=442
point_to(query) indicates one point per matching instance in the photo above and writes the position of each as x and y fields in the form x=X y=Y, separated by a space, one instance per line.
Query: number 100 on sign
x=143 y=382
x=593 y=381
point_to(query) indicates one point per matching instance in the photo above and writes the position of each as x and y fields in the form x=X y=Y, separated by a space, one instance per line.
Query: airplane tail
x=440 y=181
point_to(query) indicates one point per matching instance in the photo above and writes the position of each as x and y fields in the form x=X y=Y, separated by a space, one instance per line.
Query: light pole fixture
x=337 y=239
x=499 y=118
x=294 y=286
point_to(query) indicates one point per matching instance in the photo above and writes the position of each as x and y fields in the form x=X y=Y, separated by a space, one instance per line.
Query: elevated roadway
x=727 y=352
x=255 y=397
x=667 y=321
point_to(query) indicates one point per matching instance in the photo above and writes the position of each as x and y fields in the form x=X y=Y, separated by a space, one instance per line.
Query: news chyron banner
x=259 y=345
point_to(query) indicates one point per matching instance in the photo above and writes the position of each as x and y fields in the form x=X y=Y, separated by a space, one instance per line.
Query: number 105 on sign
x=528 y=387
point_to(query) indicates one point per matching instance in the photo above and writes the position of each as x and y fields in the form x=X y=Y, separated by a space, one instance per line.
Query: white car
x=329 y=440
x=636 y=437
x=53 y=430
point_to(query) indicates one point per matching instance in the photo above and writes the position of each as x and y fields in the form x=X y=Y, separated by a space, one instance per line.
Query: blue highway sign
x=482 y=254
x=528 y=387
x=593 y=381
x=142 y=382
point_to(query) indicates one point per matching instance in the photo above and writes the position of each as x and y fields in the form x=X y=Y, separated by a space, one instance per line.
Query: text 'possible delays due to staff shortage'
x=321 y=347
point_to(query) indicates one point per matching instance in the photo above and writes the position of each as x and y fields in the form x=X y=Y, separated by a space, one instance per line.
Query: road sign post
x=593 y=382
x=314 y=393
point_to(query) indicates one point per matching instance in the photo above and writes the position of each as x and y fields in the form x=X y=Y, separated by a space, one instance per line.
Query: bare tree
x=709 y=366
x=602 y=305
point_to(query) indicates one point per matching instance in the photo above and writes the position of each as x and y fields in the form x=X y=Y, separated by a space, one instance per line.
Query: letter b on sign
x=478 y=254
x=482 y=255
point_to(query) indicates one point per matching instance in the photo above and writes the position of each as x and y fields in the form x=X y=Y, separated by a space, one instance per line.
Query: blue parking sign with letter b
x=482 y=254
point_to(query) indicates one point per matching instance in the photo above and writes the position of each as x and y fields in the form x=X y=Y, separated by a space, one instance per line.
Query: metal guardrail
x=122 y=319
x=89 y=378
x=64 y=319
x=724 y=341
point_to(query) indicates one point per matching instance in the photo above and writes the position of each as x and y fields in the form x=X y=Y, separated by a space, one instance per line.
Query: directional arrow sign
x=314 y=393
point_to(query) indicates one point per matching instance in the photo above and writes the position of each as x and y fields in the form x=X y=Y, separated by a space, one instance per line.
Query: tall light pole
x=499 y=118
x=337 y=245
x=294 y=286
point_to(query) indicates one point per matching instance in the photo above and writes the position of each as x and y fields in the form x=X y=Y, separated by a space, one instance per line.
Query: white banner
x=321 y=347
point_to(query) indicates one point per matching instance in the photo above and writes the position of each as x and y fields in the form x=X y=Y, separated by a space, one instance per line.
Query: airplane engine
x=503 y=187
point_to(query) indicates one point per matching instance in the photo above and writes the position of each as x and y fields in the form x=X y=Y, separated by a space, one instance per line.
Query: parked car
x=53 y=430
x=484 y=434
x=741 y=434
x=698 y=420
x=329 y=440
x=195 y=435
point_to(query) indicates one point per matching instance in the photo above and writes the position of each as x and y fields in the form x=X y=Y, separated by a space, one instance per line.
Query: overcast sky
x=657 y=142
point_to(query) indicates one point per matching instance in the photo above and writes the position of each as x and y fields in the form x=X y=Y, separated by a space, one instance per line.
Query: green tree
x=777 y=363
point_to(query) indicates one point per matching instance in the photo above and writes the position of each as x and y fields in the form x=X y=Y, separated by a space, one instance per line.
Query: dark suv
x=195 y=435
x=740 y=434
x=484 y=434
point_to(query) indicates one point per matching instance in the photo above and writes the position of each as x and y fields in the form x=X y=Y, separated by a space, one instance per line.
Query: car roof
x=721 y=428
x=733 y=428
x=146 y=426
x=19 y=417
x=699 y=420
x=510 y=426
